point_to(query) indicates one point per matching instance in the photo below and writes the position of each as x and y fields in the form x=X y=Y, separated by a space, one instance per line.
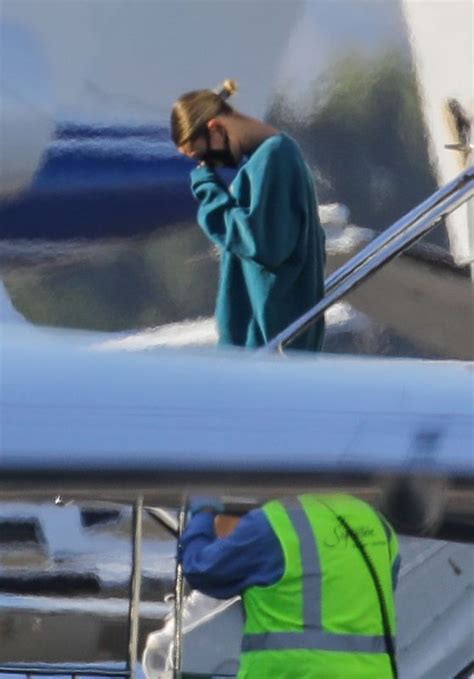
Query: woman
x=265 y=225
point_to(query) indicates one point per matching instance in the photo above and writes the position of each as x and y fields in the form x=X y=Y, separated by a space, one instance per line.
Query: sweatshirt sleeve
x=224 y=567
x=261 y=222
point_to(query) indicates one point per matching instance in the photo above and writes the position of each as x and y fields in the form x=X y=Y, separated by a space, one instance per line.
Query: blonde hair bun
x=227 y=89
x=192 y=111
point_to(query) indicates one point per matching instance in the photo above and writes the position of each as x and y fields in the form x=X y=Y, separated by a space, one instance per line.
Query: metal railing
x=54 y=670
x=92 y=670
x=388 y=245
x=135 y=585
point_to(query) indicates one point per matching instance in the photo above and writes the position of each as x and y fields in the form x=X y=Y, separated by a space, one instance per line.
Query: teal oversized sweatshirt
x=271 y=244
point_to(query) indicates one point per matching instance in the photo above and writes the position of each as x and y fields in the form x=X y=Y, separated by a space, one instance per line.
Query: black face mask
x=219 y=157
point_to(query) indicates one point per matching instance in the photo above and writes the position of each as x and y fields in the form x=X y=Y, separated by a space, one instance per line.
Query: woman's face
x=212 y=149
x=194 y=149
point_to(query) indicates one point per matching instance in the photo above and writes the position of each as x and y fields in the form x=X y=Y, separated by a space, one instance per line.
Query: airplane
x=132 y=435
x=93 y=191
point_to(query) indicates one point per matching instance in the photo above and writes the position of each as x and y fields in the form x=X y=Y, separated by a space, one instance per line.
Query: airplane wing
x=95 y=422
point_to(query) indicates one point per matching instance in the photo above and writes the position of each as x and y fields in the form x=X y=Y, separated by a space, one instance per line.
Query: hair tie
x=226 y=90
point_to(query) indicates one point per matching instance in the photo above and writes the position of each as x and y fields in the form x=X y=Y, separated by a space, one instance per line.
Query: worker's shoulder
x=256 y=522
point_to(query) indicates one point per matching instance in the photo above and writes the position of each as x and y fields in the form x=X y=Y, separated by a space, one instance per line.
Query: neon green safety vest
x=327 y=624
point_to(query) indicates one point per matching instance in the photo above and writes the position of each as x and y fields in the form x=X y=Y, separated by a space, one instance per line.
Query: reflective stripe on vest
x=312 y=637
x=313 y=640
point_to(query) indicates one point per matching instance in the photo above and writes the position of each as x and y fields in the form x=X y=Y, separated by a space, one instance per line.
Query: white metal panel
x=66 y=405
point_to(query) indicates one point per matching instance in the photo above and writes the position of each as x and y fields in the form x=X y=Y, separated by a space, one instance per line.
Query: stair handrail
x=392 y=242
x=393 y=231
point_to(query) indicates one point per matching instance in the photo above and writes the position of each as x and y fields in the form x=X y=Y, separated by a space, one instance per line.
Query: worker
x=316 y=574
x=265 y=225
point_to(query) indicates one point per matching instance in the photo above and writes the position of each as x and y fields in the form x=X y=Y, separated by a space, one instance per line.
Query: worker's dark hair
x=192 y=111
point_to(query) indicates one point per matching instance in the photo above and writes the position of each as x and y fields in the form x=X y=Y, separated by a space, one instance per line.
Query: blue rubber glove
x=199 y=502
